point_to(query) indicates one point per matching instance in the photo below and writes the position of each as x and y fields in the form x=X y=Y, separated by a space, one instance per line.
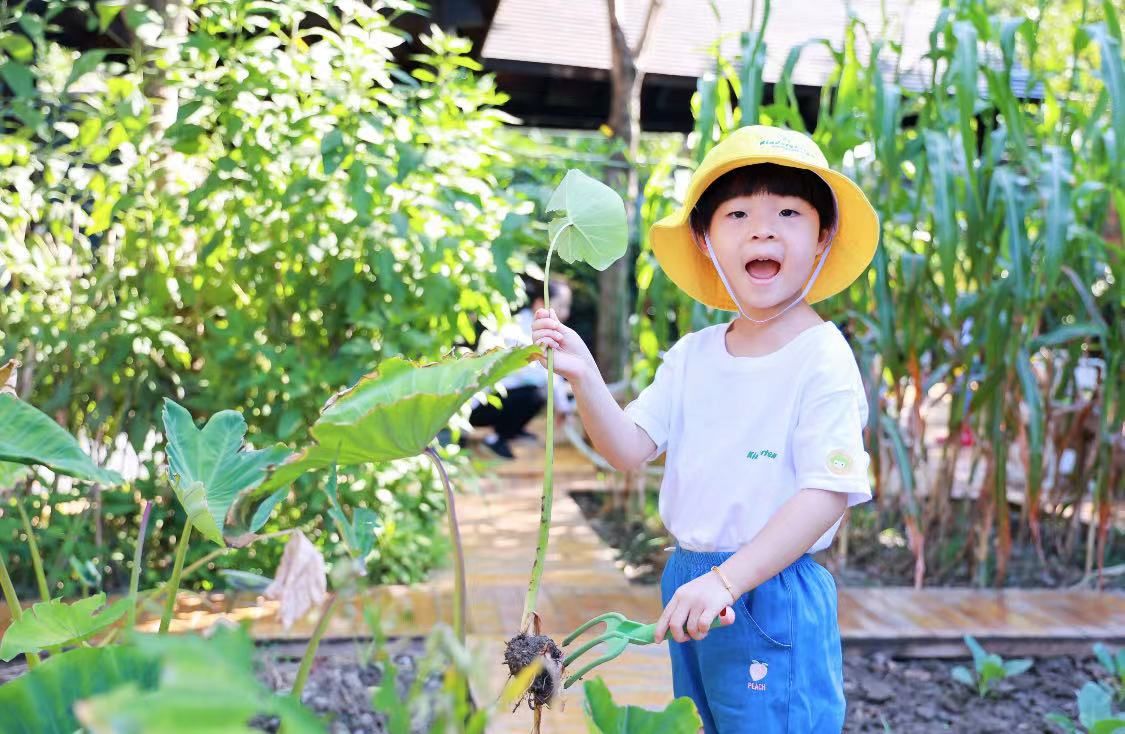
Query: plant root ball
x=521 y=651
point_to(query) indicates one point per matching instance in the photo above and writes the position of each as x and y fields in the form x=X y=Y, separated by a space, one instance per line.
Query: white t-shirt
x=517 y=333
x=745 y=434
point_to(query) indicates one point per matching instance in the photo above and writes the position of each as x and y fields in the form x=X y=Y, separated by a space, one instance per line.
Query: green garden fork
x=620 y=632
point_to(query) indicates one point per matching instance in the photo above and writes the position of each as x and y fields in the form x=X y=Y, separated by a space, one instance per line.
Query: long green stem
x=13 y=601
x=135 y=577
x=33 y=549
x=459 y=590
x=314 y=643
x=174 y=582
x=548 y=471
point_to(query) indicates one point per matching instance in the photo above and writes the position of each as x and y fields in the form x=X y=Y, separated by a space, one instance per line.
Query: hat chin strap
x=730 y=291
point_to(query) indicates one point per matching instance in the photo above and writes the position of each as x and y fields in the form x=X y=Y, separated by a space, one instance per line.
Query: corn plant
x=998 y=177
x=987 y=668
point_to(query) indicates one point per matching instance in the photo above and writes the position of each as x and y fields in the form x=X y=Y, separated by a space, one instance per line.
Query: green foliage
x=1114 y=664
x=603 y=716
x=209 y=469
x=1095 y=712
x=269 y=190
x=27 y=436
x=997 y=177
x=41 y=701
x=396 y=411
x=592 y=228
x=205 y=685
x=53 y=624
x=987 y=668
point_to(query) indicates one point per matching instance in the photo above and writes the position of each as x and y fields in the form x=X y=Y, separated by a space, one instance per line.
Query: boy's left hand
x=693 y=608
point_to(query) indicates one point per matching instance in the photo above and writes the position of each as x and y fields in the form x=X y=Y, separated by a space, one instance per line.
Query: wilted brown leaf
x=301 y=581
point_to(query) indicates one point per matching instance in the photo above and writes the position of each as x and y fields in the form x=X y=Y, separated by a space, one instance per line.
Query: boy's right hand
x=572 y=358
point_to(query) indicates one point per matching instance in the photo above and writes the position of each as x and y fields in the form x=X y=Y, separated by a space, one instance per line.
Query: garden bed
x=877 y=555
x=342 y=680
x=876 y=684
x=920 y=696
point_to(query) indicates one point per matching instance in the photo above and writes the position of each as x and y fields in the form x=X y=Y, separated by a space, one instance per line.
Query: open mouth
x=763 y=269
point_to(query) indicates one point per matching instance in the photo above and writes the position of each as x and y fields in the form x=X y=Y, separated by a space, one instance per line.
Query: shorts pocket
x=769 y=609
x=755 y=628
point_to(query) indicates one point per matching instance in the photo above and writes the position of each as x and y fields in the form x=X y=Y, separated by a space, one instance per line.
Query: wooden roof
x=571 y=37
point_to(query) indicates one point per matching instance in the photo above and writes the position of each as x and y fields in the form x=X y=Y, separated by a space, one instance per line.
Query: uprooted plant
x=592 y=229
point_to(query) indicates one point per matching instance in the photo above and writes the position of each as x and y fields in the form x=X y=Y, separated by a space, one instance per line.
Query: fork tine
x=607 y=617
x=616 y=648
x=593 y=641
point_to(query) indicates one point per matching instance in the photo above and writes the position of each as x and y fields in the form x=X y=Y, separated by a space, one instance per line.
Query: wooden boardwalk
x=581 y=579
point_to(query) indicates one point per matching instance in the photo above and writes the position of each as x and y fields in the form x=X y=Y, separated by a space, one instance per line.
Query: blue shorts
x=778 y=669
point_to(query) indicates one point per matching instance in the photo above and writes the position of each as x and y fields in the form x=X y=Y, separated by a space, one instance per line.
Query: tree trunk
x=614 y=291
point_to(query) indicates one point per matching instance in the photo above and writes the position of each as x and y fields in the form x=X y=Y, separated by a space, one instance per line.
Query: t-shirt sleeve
x=652 y=409
x=828 y=448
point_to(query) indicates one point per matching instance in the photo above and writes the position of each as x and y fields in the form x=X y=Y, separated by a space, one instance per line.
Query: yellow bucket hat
x=852 y=246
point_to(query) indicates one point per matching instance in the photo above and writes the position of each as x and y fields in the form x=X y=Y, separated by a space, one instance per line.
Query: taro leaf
x=207 y=467
x=206 y=686
x=28 y=436
x=53 y=623
x=41 y=700
x=395 y=412
x=593 y=228
x=605 y=717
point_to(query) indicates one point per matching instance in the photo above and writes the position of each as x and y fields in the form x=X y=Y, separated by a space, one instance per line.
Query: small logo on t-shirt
x=758 y=671
x=839 y=462
x=763 y=454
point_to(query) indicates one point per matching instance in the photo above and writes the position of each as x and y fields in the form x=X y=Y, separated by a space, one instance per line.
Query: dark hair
x=765 y=178
x=534 y=287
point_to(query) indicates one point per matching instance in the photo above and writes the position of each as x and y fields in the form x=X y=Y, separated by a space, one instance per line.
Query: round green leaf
x=593 y=228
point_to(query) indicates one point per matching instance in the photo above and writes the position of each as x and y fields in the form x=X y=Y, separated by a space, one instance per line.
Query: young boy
x=762 y=419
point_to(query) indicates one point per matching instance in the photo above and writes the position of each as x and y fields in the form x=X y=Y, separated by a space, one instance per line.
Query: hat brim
x=853 y=246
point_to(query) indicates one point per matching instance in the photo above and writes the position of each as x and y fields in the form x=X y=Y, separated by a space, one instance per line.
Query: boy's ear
x=698 y=240
x=825 y=236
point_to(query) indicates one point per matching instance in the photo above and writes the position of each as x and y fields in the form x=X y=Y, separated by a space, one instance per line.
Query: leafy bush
x=258 y=184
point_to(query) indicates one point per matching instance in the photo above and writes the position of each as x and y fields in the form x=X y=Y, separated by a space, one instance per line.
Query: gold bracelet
x=726 y=583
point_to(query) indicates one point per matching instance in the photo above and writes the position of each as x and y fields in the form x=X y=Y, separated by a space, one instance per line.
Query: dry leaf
x=8 y=377
x=301 y=581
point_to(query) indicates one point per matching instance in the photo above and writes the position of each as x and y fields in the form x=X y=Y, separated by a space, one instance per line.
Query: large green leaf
x=603 y=716
x=53 y=623
x=209 y=469
x=28 y=436
x=396 y=411
x=41 y=700
x=593 y=228
x=206 y=686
